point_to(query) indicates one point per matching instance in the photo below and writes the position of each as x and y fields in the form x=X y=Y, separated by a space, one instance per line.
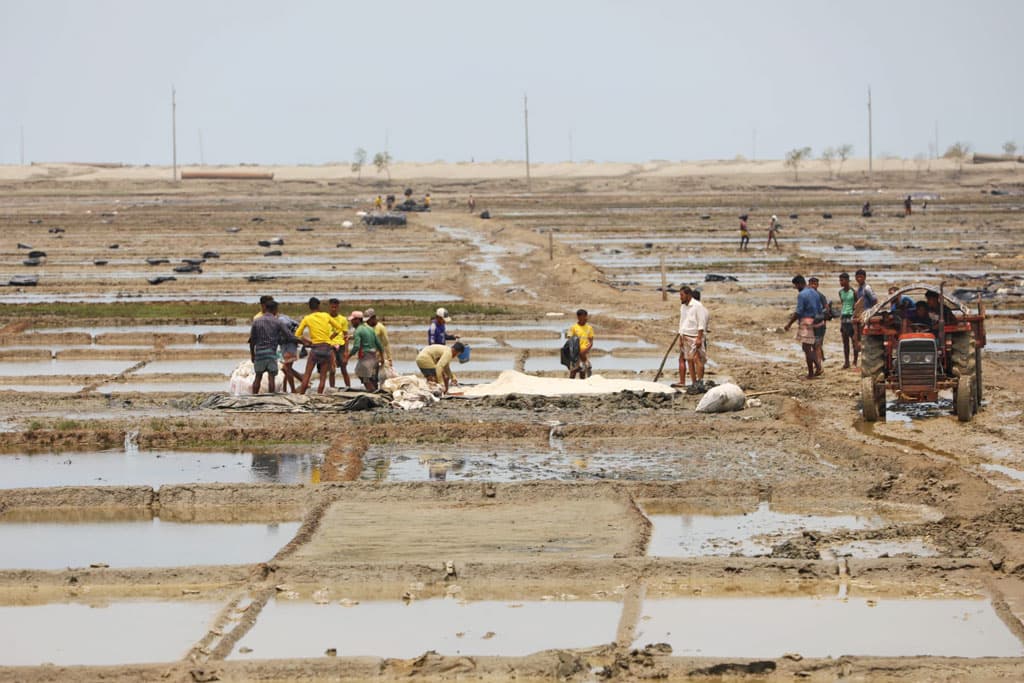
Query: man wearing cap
x=847 y=297
x=322 y=328
x=368 y=350
x=808 y=305
x=370 y=318
x=693 y=325
x=437 y=333
x=435 y=361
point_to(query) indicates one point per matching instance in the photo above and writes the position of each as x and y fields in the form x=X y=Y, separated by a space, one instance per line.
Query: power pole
x=526 y=131
x=22 y=148
x=753 y=151
x=202 y=159
x=174 y=137
x=870 y=149
x=937 y=152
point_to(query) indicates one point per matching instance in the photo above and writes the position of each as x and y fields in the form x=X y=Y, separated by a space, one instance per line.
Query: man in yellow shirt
x=322 y=328
x=370 y=318
x=585 y=331
x=435 y=362
x=339 y=357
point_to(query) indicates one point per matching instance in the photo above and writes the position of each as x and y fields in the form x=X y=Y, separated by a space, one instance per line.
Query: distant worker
x=378 y=203
x=435 y=361
x=437 y=332
x=426 y=201
x=907 y=206
x=584 y=331
x=808 y=306
x=339 y=343
x=847 y=299
x=773 y=229
x=744 y=233
x=370 y=318
x=289 y=354
x=693 y=326
x=820 y=321
x=367 y=349
x=903 y=307
x=265 y=336
x=389 y=201
x=322 y=329
x=865 y=211
x=471 y=204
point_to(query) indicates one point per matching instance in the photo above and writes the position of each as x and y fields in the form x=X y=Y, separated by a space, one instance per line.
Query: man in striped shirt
x=267 y=333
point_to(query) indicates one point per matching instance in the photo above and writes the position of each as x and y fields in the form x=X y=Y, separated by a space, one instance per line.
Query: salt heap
x=512 y=382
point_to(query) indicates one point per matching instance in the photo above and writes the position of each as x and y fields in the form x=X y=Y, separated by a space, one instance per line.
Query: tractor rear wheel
x=962 y=353
x=872 y=355
x=963 y=398
x=868 y=400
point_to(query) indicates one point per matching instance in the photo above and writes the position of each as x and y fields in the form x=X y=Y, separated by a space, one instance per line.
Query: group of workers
x=330 y=339
x=814 y=310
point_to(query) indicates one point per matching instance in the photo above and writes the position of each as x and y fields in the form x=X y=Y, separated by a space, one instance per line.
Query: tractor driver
x=920 y=316
x=936 y=310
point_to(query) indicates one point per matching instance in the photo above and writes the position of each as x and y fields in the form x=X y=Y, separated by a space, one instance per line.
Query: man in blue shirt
x=808 y=307
x=437 y=332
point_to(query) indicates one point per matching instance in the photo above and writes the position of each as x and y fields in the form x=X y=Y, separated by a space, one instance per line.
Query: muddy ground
x=596 y=243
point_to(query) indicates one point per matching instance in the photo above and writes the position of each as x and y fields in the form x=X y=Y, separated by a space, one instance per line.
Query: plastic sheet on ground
x=410 y=392
x=297 y=403
x=512 y=382
x=722 y=399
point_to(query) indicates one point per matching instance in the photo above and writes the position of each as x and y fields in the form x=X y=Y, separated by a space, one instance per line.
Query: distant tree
x=358 y=161
x=843 y=152
x=1010 y=147
x=795 y=157
x=958 y=151
x=382 y=160
x=828 y=155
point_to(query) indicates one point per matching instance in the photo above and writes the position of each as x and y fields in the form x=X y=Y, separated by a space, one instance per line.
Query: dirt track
x=804 y=451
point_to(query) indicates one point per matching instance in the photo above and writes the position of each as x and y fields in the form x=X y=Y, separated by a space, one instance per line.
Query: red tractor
x=917 y=349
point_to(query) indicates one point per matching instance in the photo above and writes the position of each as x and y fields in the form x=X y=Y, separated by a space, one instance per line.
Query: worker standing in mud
x=370 y=318
x=437 y=331
x=265 y=335
x=339 y=343
x=744 y=233
x=289 y=354
x=368 y=350
x=773 y=229
x=908 y=205
x=583 y=331
x=847 y=298
x=693 y=325
x=808 y=306
x=820 y=321
x=322 y=329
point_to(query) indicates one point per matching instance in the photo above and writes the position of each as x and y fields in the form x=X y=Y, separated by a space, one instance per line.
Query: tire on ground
x=964 y=398
x=868 y=403
x=872 y=355
x=962 y=354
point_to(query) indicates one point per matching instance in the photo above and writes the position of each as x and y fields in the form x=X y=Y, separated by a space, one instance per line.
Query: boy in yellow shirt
x=585 y=331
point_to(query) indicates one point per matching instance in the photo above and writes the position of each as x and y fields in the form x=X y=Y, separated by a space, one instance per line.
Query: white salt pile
x=512 y=382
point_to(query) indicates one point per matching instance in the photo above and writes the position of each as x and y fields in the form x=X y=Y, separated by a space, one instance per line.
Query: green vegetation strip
x=192 y=310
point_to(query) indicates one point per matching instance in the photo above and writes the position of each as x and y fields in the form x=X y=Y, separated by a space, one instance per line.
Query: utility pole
x=526 y=131
x=174 y=137
x=870 y=149
x=753 y=150
x=202 y=159
x=937 y=152
x=22 y=148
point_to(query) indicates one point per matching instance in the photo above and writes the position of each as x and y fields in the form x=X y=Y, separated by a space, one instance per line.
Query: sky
x=309 y=82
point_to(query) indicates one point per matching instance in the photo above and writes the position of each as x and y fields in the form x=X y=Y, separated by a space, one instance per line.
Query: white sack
x=722 y=399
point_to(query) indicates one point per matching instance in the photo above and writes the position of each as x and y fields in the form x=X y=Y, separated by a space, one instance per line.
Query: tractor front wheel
x=963 y=398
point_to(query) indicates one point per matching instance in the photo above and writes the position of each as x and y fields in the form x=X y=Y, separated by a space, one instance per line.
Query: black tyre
x=962 y=355
x=872 y=356
x=964 y=398
x=869 y=402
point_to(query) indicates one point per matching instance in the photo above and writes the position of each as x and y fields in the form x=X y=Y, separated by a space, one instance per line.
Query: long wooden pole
x=870 y=141
x=661 y=367
x=664 y=281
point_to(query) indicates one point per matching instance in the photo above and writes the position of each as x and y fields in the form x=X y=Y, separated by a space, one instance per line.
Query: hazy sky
x=308 y=82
